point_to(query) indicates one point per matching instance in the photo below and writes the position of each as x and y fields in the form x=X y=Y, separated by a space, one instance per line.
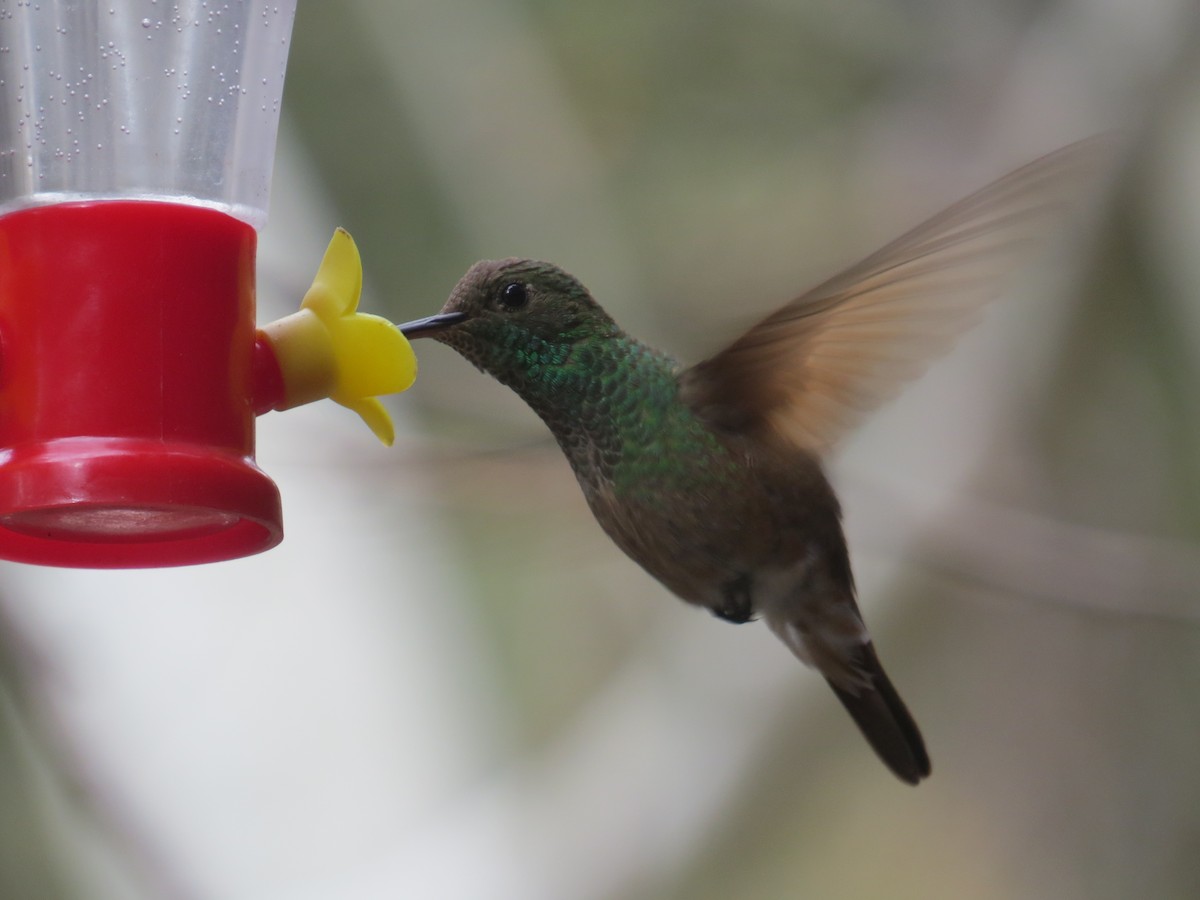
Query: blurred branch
x=1077 y=567
x=1042 y=560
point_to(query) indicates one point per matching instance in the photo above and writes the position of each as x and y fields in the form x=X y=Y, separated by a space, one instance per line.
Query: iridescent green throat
x=610 y=400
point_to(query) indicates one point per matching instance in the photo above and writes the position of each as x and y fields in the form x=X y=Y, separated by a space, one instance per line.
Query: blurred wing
x=813 y=369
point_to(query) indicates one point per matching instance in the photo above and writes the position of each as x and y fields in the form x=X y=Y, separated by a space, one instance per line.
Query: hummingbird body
x=743 y=526
x=710 y=477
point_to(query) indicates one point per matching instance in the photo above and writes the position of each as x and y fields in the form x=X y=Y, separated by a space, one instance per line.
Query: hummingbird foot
x=737 y=605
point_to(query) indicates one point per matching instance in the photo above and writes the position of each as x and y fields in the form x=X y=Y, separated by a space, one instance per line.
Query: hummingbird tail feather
x=884 y=720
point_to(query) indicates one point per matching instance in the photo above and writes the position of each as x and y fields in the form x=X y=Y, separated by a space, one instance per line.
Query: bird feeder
x=136 y=147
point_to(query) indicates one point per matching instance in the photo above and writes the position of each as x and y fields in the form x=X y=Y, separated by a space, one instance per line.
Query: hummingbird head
x=520 y=320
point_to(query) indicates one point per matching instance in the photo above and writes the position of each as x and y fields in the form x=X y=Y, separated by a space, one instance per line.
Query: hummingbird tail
x=883 y=718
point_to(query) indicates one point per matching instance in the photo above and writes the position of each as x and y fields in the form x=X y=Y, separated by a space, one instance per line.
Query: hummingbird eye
x=513 y=295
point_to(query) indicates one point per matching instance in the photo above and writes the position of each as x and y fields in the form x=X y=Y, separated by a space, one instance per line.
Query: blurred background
x=447 y=683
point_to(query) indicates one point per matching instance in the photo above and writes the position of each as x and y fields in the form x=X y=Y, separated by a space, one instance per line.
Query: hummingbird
x=711 y=477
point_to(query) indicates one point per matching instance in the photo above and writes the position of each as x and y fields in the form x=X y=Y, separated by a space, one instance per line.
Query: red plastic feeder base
x=123 y=503
x=126 y=418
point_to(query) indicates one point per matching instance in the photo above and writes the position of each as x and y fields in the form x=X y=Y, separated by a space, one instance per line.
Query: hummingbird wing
x=811 y=370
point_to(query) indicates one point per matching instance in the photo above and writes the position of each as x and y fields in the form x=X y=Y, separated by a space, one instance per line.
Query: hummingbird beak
x=431 y=324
